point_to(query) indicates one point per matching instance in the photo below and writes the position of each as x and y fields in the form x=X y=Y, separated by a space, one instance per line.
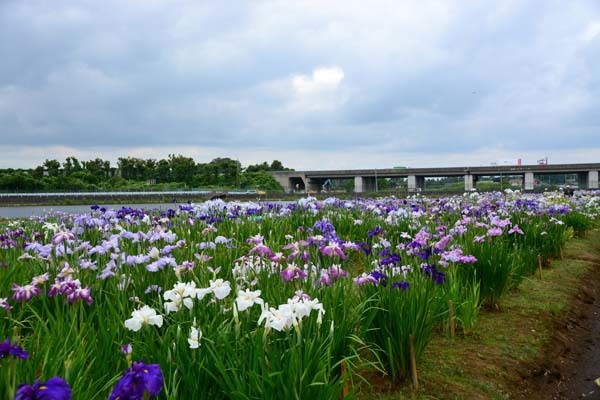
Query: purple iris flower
x=327 y=228
x=376 y=231
x=62 y=236
x=79 y=293
x=435 y=275
x=53 y=389
x=389 y=258
x=441 y=245
x=5 y=304
x=425 y=254
x=337 y=272
x=138 y=379
x=365 y=247
x=262 y=250
x=8 y=349
x=402 y=285
x=494 y=232
x=333 y=249
x=24 y=293
x=292 y=272
x=325 y=278
x=379 y=276
x=153 y=288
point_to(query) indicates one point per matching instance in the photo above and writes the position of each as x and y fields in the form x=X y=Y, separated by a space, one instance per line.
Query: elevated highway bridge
x=365 y=179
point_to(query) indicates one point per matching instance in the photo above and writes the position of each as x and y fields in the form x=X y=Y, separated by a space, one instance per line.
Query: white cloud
x=591 y=32
x=322 y=79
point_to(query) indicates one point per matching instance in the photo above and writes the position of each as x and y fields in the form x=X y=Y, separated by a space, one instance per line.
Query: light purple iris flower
x=494 y=232
x=292 y=272
x=24 y=293
x=62 y=236
x=333 y=249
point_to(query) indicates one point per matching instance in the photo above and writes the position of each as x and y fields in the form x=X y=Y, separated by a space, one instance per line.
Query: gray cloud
x=412 y=77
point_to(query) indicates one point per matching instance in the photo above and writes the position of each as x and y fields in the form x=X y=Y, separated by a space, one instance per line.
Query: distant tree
x=71 y=165
x=19 y=181
x=163 y=171
x=38 y=172
x=140 y=168
x=150 y=169
x=96 y=167
x=125 y=165
x=98 y=173
x=227 y=171
x=71 y=182
x=106 y=168
x=52 y=167
x=182 y=168
x=132 y=168
x=260 y=180
x=276 y=165
x=258 y=167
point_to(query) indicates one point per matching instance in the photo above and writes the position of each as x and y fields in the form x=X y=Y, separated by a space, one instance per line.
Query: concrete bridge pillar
x=358 y=184
x=364 y=184
x=469 y=182
x=529 y=181
x=592 y=180
x=416 y=183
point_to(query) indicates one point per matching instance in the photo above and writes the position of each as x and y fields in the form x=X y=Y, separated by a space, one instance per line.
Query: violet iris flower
x=24 y=293
x=292 y=272
x=137 y=380
x=403 y=285
x=8 y=349
x=379 y=277
x=435 y=275
x=376 y=231
x=262 y=250
x=333 y=249
x=53 y=389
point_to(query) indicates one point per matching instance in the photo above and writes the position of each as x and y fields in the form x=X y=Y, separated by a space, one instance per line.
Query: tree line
x=131 y=173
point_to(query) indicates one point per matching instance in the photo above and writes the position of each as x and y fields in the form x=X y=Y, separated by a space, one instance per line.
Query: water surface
x=29 y=211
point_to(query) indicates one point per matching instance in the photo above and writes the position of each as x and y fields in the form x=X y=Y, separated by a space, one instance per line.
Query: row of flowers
x=345 y=277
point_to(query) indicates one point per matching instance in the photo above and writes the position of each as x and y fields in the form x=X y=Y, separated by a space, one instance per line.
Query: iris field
x=259 y=301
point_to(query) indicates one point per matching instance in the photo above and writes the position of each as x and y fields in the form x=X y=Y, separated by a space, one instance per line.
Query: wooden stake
x=346 y=389
x=413 y=364
x=452 y=325
x=540 y=265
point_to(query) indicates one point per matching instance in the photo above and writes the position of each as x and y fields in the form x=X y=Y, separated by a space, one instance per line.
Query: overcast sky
x=315 y=84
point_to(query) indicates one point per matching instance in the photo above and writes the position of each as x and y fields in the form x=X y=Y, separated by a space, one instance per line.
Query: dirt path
x=571 y=361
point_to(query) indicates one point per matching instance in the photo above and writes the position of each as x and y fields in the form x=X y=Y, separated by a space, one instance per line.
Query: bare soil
x=570 y=362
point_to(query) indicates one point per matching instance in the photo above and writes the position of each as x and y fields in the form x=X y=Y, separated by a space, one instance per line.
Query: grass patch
x=486 y=363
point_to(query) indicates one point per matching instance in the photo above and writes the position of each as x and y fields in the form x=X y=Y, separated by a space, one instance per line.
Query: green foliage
x=494 y=270
x=395 y=315
x=175 y=172
x=20 y=181
x=276 y=165
x=580 y=223
x=260 y=180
